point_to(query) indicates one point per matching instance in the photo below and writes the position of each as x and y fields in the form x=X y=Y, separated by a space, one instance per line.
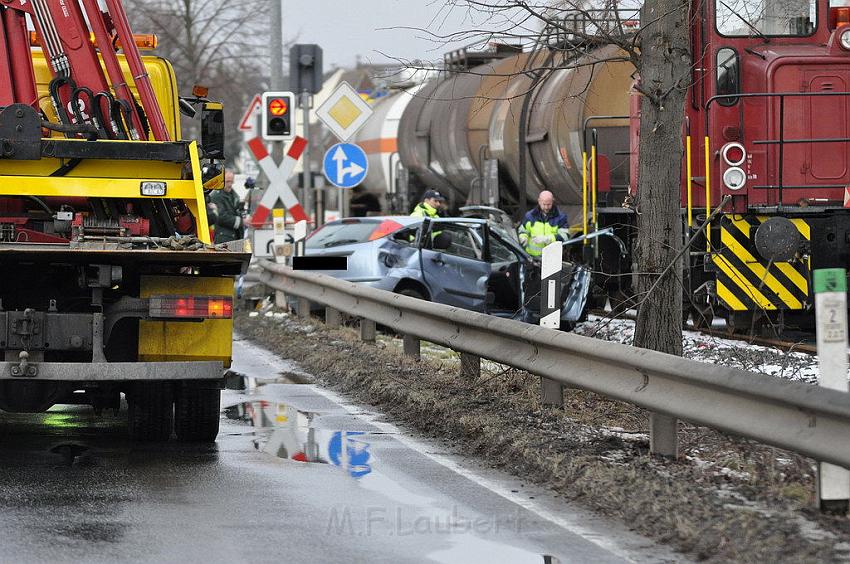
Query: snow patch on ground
x=715 y=350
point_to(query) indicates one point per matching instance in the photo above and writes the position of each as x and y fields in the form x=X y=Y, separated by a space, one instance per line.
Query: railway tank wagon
x=379 y=140
x=477 y=112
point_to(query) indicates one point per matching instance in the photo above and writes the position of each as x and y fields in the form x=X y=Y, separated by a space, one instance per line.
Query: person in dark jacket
x=229 y=222
x=542 y=225
x=363 y=203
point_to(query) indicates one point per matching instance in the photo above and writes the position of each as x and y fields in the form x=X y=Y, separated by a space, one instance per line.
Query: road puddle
x=475 y=549
x=286 y=432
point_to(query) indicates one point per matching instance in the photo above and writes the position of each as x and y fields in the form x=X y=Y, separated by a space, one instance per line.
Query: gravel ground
x=724 y=498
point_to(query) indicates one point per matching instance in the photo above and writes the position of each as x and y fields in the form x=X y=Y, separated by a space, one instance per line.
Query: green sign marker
x=830 y=280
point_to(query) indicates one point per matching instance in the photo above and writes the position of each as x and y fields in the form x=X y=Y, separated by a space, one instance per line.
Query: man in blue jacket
x=542 y=225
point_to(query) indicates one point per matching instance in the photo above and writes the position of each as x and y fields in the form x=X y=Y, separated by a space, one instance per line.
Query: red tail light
x=191 y=307
x=385 y=228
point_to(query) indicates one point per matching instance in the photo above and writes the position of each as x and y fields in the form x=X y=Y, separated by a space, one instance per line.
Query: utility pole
x=305 y=79
x=308 y=198
x=277 y=65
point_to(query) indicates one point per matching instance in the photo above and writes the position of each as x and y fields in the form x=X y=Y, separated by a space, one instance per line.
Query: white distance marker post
x=299 y=235
x=551 y=391
x=281 y=252
x=279 y=242
x=831 y=314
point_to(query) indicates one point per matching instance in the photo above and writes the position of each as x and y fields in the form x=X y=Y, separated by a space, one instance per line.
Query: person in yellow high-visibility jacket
x=430 y=205
x=542 y=225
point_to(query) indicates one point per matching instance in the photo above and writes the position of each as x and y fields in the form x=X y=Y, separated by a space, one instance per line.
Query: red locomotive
x=767 y=123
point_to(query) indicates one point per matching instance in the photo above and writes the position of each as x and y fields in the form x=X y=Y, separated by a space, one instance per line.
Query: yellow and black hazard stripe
x=745 y=281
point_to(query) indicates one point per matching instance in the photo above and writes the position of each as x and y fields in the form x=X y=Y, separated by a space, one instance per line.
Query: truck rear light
x=191 y=307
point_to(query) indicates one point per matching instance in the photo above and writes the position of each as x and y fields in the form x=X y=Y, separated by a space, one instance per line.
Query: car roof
x=402 y=219
x=408 y=219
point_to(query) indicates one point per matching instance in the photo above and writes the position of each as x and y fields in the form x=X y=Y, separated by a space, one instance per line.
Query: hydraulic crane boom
x=80 y=92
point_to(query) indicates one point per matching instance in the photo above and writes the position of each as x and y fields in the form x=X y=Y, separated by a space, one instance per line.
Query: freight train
x=766 y=124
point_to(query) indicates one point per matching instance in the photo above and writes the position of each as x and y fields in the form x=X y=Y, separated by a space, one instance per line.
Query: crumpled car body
x=462 y=262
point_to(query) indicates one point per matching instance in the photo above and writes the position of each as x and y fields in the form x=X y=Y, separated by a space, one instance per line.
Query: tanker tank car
x=474 y=113
x=379 y=140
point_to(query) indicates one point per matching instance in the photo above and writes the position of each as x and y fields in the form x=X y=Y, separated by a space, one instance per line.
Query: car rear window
x=349 y=232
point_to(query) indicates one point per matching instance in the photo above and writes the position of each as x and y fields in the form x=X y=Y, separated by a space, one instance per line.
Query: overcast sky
x=345 y=29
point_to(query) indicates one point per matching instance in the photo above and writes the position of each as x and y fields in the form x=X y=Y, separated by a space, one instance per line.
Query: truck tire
x=151 y=411
x=197 y=411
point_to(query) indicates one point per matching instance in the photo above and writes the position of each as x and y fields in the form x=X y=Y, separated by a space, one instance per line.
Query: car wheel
x=412 y=293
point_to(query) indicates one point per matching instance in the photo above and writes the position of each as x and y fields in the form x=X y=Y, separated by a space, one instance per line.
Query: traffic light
x=305 y=68
x=278 y=116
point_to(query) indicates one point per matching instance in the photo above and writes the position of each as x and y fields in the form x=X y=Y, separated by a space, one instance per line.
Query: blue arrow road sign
x=345 y=165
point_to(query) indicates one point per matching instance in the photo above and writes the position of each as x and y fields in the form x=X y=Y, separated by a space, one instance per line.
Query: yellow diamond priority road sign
x=344 y=112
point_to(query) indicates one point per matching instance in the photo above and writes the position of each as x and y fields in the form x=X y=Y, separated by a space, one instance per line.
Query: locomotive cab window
x=765 y=18
x=728 y=76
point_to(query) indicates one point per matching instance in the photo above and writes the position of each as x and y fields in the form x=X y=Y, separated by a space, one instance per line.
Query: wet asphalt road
x=371 y=493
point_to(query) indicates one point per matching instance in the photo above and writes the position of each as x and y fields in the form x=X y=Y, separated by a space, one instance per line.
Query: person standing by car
x=430 y=205
x=363 y=203
x=542 y=225
x=229 y=221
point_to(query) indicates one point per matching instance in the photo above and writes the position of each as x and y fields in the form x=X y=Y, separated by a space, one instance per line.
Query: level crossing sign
x=278 y=180
x=345 y=165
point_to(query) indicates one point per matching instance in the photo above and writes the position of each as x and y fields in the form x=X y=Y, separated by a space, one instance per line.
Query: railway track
x=802 y=342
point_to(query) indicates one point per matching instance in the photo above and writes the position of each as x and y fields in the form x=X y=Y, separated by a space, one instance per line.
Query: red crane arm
x=17 y=79
x=63 y=33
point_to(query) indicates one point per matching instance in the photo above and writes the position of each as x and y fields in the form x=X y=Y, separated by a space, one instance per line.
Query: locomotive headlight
x=734 y=154
x=734 y=178
x=845 y=39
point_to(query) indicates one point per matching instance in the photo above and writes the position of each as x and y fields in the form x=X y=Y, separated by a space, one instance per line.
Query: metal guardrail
x=799 y=417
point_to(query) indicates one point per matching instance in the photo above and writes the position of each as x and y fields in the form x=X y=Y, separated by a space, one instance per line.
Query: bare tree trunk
x=665 y=76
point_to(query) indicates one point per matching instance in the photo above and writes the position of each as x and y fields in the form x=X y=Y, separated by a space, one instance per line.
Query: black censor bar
x=319 y=263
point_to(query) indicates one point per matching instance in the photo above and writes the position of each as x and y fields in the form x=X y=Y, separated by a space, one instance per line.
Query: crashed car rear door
x=452 y=265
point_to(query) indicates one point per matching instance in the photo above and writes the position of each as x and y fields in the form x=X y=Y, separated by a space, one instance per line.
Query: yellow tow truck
x=110 y=283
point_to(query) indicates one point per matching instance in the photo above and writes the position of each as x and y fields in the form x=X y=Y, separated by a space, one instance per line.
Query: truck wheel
x=151 y=411
x=196 y=413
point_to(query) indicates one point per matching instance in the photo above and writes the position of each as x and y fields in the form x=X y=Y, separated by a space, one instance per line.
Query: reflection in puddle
x=286 y=432
x=473 y=549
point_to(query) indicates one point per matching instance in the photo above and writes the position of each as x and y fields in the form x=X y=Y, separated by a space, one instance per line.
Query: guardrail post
x=332 y=318
x=411 y=346
x=830 y=285
x=663 y=435
x=368 y=331
x=552 y=263
x=551 y=392
x=470 y=366
x=303 y=308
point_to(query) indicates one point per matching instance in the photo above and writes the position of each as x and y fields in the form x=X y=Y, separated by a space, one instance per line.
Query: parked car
x=463 y=262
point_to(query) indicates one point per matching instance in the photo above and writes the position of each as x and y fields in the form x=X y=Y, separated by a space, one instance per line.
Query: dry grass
x=724 y=499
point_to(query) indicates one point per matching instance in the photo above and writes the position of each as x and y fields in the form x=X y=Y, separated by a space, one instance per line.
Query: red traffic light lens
x=278 y=106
